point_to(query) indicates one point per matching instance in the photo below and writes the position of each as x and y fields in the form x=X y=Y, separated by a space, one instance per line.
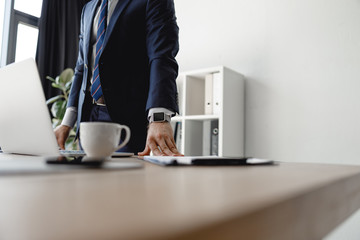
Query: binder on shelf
x=217 y=102
x=214 y=138
x=207 y=138
x=177 y=135
x=209 y=94
x=211 y=138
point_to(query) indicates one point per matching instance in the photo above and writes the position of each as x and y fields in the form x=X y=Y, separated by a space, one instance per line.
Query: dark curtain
x=59 y=29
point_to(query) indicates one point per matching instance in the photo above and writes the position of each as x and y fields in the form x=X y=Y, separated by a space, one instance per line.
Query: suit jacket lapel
x=116 y=14
x=89 y=18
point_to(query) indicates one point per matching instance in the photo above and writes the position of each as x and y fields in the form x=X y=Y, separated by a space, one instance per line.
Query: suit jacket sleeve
x=162 y=46
x=78 y=75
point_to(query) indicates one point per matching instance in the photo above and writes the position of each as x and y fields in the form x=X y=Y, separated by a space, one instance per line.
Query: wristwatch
x=160 y=117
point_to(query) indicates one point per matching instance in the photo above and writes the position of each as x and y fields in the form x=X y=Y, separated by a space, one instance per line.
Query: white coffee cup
x=101 y=139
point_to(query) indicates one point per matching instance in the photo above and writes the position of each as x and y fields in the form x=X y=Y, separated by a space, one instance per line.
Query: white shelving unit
x=220 y=131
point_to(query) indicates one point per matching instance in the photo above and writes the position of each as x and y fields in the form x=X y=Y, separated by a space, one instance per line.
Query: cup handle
x=127 y=138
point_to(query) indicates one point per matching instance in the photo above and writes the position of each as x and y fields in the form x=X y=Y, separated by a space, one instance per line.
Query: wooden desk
x=288 y=201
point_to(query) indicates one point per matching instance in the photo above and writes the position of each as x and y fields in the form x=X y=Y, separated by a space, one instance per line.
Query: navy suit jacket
x=137 y=65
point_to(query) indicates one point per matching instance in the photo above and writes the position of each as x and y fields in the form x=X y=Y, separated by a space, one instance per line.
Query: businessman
x=126 y=71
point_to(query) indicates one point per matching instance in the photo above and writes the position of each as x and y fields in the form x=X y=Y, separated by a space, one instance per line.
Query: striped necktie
x=96 y=91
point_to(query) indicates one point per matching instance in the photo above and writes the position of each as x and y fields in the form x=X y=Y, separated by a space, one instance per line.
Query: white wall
x=301 y=59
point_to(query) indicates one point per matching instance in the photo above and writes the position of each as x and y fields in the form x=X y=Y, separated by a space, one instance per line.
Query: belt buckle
x=96 y=103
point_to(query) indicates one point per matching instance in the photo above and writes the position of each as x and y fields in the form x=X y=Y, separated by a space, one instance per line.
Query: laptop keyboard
x=72 y=152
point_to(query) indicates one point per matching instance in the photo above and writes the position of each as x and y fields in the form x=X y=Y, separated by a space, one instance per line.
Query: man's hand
x=62 y=133
x=160 y=140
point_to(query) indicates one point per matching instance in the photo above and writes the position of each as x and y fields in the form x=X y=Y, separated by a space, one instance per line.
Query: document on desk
x=206 y=160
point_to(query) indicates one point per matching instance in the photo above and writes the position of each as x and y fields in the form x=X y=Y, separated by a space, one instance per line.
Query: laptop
x=25 y=123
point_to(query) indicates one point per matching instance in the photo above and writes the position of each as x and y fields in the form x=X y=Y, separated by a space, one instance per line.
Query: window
x=20 y=26
x=32 y=7
x=26 y=42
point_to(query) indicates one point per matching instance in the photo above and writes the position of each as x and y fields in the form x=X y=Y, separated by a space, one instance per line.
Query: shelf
x=211 y=112
x=195 y=117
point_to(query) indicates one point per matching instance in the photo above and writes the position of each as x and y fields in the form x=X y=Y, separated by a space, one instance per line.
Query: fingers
x=172 y=147
x=156 y=151
x=160 y=141
x=62 y=133
x=151 y=146
x=163 y=146
x=61 y=143
x=145 y=152
x=168 y=147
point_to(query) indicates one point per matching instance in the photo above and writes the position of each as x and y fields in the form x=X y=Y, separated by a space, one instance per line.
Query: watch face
x=158 y=117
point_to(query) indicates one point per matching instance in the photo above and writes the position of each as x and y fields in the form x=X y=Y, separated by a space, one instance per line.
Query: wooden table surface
x=285 y=201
